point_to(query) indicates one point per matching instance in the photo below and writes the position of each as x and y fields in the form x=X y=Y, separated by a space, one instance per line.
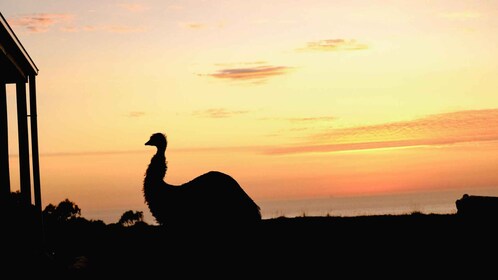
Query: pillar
x=22 y=127
x=4 y=145
x=34 y=142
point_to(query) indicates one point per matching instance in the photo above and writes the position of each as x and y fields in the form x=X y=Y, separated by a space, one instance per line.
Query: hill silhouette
x=281 y=247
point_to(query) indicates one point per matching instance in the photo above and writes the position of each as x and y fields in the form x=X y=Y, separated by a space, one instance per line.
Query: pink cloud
x=250 y=73
x=136 y=114
x=122 y=29
x=218 y=113
x=133 y=7
x=195 y=25
x=311 y=119
x=37 y=23
x=433 y=130
x=334 y=45
x=106 y=28
x=199 y=25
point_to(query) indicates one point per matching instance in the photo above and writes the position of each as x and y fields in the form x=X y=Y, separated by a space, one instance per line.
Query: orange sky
x=292 y=98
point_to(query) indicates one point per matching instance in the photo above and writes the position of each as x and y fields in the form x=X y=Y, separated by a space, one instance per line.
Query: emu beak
x=148 y=143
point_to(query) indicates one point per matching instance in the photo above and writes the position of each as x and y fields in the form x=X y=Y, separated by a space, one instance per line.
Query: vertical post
x=4 y=145
x=35 y=155
x=22 y=127
x=34 y=142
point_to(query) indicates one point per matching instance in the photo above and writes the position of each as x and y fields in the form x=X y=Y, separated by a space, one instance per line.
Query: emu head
x=158 y=140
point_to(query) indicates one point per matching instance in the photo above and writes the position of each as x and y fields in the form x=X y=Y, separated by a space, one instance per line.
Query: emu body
x=212 y=198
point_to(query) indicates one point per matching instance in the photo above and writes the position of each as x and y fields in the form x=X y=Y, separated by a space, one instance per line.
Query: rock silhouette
x=477 y=206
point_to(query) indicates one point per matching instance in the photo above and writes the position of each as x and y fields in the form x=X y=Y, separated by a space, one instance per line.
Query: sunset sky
x=294 y=99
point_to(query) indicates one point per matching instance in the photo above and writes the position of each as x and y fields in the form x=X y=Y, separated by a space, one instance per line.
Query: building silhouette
x=17 y=67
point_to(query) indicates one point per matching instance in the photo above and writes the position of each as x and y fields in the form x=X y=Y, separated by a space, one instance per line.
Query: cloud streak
x=465 y=15
x=304 y=120
x=200 y=25
x=218 y=113
x=334 y=45
x=250 y=73
x=311 y=119
x=39 y=23
x=195 y=25
x=136 y=114
x=433 y=130
x=121 y=29
x=133 y=7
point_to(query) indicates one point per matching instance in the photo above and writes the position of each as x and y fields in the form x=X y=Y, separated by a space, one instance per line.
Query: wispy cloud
x=234 y=64
x=200 y=25
x=176 y=7
x=304 y=119
x=311 y=119
x=38 y=23
x=334 y=45
x=258 y=73
x=85 y=153
x=122 y=29
x=133 y=7
x=217 y=113
x=136 y=114
x=465 y=15
x=440 y=129
x=195 y=25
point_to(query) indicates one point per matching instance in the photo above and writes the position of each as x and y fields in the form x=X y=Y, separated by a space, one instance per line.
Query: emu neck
x=157 y=167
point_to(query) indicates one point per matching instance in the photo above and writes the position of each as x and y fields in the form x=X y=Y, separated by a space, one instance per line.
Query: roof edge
x=18 y=43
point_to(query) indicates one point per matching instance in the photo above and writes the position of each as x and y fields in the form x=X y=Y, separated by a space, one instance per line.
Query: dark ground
x=397 y=245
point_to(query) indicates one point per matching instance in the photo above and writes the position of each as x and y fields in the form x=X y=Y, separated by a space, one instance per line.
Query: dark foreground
x=413 y=244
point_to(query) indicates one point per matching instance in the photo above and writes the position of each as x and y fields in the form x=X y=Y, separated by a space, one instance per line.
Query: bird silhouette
x=213 y=198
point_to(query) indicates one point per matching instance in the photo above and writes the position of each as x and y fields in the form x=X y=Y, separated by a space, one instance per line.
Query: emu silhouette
x=213 y=198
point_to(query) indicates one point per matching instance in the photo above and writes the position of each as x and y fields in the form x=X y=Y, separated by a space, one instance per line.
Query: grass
x=304 y=242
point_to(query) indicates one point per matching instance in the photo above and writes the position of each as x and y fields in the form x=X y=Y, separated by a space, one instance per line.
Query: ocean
x=429 y=202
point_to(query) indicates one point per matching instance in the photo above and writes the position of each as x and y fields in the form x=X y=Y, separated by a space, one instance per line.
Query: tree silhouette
x=16 y=196
x=66 y=210
x=130 y=218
